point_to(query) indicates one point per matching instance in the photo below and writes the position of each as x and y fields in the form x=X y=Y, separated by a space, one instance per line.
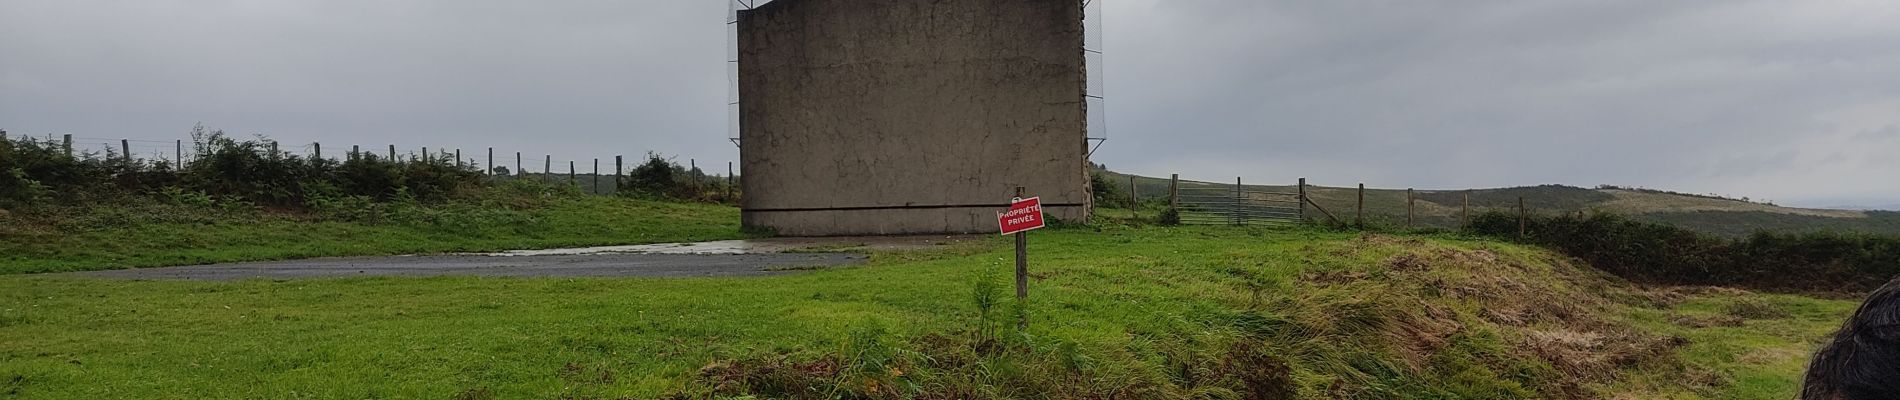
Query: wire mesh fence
x=592 y=175
x=1238 y=203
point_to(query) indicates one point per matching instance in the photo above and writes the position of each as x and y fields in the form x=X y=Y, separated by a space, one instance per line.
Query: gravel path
x=587 y=265
x=719 y=258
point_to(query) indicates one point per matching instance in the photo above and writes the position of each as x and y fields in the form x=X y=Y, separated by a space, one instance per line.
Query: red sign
x=1023 y=215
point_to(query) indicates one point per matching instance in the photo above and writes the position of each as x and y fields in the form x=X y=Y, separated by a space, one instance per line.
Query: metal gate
x=1214 y=204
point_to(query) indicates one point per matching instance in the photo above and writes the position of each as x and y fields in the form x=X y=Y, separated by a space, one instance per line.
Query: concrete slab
x=704 y=259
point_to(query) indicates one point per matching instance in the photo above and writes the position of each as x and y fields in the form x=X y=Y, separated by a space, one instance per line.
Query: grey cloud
x=1748 y=98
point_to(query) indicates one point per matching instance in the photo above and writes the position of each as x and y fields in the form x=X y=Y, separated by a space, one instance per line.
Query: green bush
x=1658 y=253
x=1107 y=193
x=660 y=178
x=241 y=171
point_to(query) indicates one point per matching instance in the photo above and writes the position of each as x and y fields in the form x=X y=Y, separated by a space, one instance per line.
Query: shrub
x=1658 y=253
x=661 y=178
x=242 y=171
x=1169 y=216
x=657 y=177
x=1106 y=192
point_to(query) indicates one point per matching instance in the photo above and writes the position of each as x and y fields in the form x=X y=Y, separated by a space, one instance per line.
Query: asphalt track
x=590 y=265
x=705 y=259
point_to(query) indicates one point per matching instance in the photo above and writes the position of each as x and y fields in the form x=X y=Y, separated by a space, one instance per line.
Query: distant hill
x=1889 y=207
x=1441 y=208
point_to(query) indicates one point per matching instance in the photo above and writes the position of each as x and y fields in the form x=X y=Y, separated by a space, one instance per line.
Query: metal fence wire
x=1236 y=205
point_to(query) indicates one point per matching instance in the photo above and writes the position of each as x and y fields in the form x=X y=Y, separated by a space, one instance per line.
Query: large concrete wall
x=910 y=116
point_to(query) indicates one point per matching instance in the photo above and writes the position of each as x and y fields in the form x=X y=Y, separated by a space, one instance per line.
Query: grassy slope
x=1146 y=313
x=115 y=239
x=1442 y=208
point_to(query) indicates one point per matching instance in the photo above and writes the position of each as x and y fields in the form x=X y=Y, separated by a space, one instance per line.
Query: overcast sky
x=1797 y=101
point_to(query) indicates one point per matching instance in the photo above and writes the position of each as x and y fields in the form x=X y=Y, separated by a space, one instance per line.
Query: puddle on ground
x=757 y=246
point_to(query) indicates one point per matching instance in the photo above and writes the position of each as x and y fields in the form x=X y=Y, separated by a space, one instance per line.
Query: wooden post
x=273 y=150
x=489 y=169
x=1464 y=213
x=595 y=188
x=316 y=150
x=125 y=150
x=729 y=183
x=1134 y=194
x=547 y=165
x=570 y=173
x=1409 y=201
x=1022 y=261
x=356 y=151
x=69 y=145
x=1522 y=216
x=518 y=171
x=392 y=153
x=1359 y=217
x=178 y=153
x=617 y=171
x=458 y=158
x=1174 y=192
x=425 y=156
x=1302 y=199
x=1238 y=218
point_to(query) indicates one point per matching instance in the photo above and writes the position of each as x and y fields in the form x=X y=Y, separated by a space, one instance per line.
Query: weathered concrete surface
x=862 y=117
x=700 y=259
x=596 y=265
x=763 y=246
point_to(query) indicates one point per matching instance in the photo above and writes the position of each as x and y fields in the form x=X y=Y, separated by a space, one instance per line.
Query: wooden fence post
x=617 y=170
x=125 y=150
x=1174 y=192
x=1522 y=216
x=69 y=145
x=316 y=150
x=1464 y=213
x=729 y=181
x=178 y=152
x=547 y=165
x=1302 y=199
x=458 y=158
x=1134 y=194
x=490 y=168
x=595 y=189
x=1409 y=201
x=425 y=156
x=518 y=171
x=392 y=153
x=1359 y=217
x=570 y=173
x=1239 y=218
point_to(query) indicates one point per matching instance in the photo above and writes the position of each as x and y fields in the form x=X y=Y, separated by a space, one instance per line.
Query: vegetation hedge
x=1659 y=253
x=38 y=176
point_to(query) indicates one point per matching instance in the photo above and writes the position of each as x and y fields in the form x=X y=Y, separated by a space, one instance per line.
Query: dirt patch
x=1547 y=309
x=1599 y=355
x=776 y=376
x=1753 y=308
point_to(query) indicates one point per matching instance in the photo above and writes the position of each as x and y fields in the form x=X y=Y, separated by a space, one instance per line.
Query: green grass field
x=149 y=235
x=1129 y=312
